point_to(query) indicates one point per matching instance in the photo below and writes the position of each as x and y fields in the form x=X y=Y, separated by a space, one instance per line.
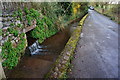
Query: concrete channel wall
x=62 y=64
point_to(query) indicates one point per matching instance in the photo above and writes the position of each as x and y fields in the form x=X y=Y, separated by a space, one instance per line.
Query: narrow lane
x=96 y=55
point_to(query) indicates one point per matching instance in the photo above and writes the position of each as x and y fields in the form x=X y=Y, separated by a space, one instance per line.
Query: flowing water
x=42 y=56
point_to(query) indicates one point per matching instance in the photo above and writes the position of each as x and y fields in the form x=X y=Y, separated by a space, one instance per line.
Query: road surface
x=96 y=55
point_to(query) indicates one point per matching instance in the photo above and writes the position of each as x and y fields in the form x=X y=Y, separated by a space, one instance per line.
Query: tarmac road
x=96 y=55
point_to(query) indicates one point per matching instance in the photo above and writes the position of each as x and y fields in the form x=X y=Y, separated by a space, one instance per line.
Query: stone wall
x=12 y=6
x=7 y=9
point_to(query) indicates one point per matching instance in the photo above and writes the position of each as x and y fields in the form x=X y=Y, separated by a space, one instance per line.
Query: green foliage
x=43 y=31
x=54 y=14
x=7 y=34
x=34 y=13
x=10 y=29
x=48 y=22
x=67 y=8
x=13 y=31
x=31 y=15
x=19 y=25
x=9 y=54
x=22 y=35
x=16 y=33
x=110 y=10
x=26 y=11
x=12 y=55
x=44 y=27
x=112 y=18
x=12 y=24
x=15 y=14
x=29 y=19
x=20 y=14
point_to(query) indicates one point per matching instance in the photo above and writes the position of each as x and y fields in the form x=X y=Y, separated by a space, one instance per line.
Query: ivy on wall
x=11 y=55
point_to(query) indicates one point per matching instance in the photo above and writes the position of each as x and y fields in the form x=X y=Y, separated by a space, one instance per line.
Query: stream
x=39 y=58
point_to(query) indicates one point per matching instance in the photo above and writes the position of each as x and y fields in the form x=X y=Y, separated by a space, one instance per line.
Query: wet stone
x=35 y=25
x=6 y=38
x=10 y=35
x=66 y=57
x=56 y=69
x=18 y=38
x=63 y=66
x=24 y=30
x=13 y=42
x=4 y=34
x=59 y=65
x=6 y=27
x=17 y=22
x=59 y=73
x=68 y=53
x=2 y=41
x=55 y=74
x=16 y=41
x=63 y=62
x=15 y=38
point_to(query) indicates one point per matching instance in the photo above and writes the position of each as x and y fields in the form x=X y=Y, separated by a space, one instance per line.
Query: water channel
x=39 y=58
